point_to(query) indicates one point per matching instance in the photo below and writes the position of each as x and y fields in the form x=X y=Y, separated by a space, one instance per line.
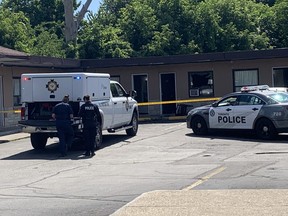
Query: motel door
x=168 y=93
x=1 y=104
x=140 y=85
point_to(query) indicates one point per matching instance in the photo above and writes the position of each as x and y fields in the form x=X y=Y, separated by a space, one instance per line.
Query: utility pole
x=72 y=22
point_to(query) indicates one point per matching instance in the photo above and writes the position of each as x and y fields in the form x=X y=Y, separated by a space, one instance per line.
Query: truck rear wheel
x=134 y=123
x=38 y=140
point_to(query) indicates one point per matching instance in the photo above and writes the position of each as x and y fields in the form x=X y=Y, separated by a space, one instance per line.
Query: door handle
x=228 y=109
x=115 y=102
x=254 y=109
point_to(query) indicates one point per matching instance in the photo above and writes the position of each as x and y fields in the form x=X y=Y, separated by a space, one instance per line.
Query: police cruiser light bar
x=254 y=88
x=279 y=89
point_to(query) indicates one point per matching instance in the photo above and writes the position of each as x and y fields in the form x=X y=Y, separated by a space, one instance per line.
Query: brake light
x=26 y=78
x=23 y=113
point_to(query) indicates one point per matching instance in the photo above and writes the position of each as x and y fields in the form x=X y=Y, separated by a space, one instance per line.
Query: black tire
x=265 y=129
x=134 y=123
x=199 y=126
x=38 y=140
x=98 y=139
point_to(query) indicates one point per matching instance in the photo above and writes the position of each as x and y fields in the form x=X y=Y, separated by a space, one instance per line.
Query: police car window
x=249 y=100
x=230 y=101
x=244 y=99
x=256 y=101
x=279 y=97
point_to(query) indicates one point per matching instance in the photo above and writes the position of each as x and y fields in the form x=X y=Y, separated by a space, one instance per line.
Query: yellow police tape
x=178 y=101
x=146 y=103
x=9 y=111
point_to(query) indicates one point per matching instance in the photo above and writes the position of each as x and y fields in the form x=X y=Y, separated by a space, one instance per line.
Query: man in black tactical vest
x=90 y=115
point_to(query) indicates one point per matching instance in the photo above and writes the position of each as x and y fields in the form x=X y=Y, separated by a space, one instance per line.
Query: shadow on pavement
x=51 y=151
x=241 y=136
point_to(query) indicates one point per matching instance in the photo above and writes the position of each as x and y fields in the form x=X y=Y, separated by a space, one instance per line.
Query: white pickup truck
x=40 y=92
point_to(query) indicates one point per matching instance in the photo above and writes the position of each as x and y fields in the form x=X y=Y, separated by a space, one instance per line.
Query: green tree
x=113 y=45
x=138 y=22
x=175 y=20
x=279 y=30
x=98 y=41
x=161 y=42
x=38 y=11
x=15 y=31
x=47 y=43
x=268 y=2
x=226 y=25
x=89 y=40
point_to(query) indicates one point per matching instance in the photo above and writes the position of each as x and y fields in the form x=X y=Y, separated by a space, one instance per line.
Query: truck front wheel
x=134 y=123
x=38 y=140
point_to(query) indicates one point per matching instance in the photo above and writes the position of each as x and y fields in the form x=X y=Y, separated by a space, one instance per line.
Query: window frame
x=16 y=94
x=274 y=70
x=198 y=88
x=239 y=70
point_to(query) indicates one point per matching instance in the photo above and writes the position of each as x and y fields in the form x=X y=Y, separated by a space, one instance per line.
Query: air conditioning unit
x=194 y=92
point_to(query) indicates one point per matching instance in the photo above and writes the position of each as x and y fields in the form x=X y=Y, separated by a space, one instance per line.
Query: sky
x=94 y=6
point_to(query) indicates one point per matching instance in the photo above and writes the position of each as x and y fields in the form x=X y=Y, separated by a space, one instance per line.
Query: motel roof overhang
x=14 y=58
x=38 y=62
x=24 y=60
x=186 y=59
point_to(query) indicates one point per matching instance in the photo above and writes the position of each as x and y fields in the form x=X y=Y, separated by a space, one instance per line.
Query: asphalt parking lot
x=165 y=160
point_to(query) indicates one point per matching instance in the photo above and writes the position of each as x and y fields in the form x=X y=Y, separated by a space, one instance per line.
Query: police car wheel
x=98 y=138
x=199 y=126
x=265 y=129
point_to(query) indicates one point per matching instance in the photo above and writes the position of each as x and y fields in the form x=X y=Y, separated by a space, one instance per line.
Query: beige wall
x=222 y=74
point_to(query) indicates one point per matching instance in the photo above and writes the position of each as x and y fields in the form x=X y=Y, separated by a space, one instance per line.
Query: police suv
x=256 y=108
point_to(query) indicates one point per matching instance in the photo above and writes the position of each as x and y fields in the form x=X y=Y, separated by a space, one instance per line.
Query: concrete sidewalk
x=264 y=202
x=13 y=137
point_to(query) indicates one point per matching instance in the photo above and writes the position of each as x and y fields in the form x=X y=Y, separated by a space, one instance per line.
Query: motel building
x=166 y=85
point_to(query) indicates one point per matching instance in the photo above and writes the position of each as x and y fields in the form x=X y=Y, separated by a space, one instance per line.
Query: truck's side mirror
x=215 y=104
x=133 y=94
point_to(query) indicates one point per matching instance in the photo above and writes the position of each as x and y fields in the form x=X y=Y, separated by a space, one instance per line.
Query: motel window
x=16 y=91
x=201 y=84
x=245 y=78
x=280 y=77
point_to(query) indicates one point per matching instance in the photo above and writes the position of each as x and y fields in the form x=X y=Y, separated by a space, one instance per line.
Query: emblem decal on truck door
x=52 y=85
